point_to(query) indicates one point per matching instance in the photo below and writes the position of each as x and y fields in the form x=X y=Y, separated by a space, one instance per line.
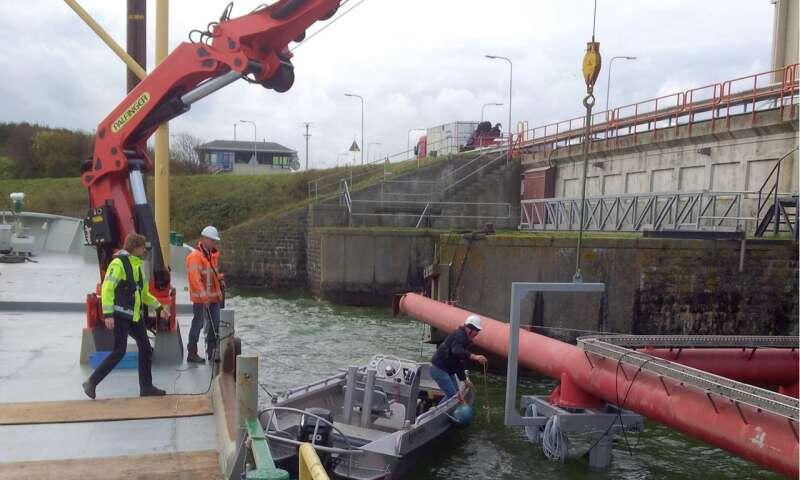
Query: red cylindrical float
x=764 y=366
x=764 y=438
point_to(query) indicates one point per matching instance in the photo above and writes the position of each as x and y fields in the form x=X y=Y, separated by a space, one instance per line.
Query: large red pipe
x=765 y=366
x=761 y=437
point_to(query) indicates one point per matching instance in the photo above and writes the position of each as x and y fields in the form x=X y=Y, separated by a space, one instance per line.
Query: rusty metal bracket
x=663 y=384
x=716 y=410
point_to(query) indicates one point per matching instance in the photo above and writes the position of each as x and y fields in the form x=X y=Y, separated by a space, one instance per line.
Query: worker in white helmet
x=206 y=291
x=450 y=358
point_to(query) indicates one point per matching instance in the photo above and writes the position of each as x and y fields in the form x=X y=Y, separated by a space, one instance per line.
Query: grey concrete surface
x=21 y=443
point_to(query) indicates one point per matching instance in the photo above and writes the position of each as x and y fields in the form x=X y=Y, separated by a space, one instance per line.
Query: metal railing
x=715 y=103
x=418 y=210
x=717 y=211
x=327 y=186
x=772 y=198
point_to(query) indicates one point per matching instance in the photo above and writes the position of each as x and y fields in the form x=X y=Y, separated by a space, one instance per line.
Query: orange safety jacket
x=204 y=283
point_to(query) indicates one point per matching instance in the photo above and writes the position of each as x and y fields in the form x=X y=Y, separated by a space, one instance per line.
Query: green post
x=265 y=466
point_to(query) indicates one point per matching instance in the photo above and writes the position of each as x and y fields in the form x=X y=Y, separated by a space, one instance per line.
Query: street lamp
x=608 y=81
x=510 y=78
x=255 y=136
x=488 y=104
x=362 y=122
x=369 y=159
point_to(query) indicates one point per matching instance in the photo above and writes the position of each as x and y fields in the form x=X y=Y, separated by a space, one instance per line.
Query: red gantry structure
x=680 y=386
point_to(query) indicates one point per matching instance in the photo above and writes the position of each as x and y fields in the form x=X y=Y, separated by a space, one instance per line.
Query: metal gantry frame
x=601 y=423
x=633 y=212
x=518 y=292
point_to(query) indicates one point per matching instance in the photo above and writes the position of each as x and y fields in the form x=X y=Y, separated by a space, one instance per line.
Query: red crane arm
x=253 y=46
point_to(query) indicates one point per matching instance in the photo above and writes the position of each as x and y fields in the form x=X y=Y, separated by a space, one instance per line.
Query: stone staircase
x=465 y=192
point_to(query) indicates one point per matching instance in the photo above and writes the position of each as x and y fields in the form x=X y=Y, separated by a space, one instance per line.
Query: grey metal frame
x=518 y=292
x=634 y=212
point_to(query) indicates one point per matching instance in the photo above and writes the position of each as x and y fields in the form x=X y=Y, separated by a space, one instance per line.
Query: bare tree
x=184 y=156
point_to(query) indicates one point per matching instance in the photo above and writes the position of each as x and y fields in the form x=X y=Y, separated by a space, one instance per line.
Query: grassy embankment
x=199 y=200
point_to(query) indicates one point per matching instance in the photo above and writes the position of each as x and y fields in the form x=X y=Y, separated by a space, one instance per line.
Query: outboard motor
x=309 y=423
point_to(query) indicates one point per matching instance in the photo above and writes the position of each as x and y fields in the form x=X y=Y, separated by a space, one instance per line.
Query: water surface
x=300 y=339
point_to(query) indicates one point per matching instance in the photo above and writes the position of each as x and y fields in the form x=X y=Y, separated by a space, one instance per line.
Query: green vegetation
x=195 y=201
x=35 y=151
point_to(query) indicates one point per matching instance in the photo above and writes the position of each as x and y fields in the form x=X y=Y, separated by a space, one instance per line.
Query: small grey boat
x=366 y=423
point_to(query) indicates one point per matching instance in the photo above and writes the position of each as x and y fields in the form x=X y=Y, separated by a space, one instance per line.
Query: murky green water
x=300 y=339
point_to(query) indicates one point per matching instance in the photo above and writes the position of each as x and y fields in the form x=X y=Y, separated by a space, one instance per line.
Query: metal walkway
x=729 y=390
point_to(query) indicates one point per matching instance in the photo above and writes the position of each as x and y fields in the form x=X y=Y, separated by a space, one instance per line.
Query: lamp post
x=255 y=136
x=510 y=79
x=608 y=80
x=362 y=122
x=408 y=139
x=488 y=104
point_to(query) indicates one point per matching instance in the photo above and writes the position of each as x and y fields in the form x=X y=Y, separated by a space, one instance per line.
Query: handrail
x=423 y=215
x=348 y=201
x=682 y=110
x=474 y=172
x=773 y=190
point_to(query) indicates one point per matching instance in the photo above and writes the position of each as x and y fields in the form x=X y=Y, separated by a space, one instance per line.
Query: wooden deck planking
x=114 y=409
x=198 y=465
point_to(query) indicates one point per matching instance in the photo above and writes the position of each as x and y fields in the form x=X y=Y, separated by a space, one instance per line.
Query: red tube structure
x=759 y=436
x=765 y=366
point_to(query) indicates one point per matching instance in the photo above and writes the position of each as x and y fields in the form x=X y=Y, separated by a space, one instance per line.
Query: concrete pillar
x=785 y=34
x=246 y=388
x=227 y=347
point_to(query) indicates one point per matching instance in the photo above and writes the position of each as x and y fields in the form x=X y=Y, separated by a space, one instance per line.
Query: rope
x=328 y=24
x=555 y=443
x=486 y=394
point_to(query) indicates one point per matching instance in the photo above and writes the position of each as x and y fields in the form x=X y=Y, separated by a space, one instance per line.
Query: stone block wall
x=362 y=266
x=267 y=253
x=701 y=291
x=653 y=286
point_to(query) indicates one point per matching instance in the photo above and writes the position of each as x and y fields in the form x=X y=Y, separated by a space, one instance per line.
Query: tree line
x=36 y=151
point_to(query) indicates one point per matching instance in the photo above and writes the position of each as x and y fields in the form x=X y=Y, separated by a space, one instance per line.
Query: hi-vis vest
x=126 y=308
x=204 y=277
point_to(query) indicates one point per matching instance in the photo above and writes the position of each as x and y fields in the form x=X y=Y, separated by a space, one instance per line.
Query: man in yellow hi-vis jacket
x=123 y=293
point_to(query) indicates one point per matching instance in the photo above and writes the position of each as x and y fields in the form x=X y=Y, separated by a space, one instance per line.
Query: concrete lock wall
x=720 y=158
x=367 y=266
x=653 y=286
x=267 y=253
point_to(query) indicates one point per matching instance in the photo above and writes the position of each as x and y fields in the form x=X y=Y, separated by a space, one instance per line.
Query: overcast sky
x=418 y=63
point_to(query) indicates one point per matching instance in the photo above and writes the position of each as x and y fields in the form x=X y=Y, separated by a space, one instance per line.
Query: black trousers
x=137 y=330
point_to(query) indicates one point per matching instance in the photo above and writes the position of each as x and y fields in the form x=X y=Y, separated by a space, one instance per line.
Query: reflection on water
x=300 y=339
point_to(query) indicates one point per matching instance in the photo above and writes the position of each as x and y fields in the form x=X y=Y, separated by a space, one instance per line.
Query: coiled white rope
x=554 y=442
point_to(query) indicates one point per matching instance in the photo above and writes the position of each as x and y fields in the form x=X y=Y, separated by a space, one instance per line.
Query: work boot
x=192 y=356
x=88 y=389
x=151 y=391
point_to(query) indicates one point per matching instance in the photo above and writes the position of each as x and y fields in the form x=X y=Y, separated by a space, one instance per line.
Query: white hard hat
x=474 y=321
x=210 y=232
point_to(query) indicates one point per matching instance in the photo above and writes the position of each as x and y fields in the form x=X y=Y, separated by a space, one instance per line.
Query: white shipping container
x=448 y=138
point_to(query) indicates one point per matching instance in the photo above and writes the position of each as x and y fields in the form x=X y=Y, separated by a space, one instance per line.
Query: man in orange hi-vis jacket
x=206 y=286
